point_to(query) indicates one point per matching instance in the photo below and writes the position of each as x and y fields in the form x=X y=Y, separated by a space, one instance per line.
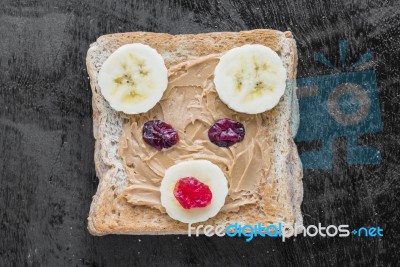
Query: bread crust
x=282 y=193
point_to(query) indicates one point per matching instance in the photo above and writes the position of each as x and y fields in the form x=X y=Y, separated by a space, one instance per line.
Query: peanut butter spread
x=191 y=105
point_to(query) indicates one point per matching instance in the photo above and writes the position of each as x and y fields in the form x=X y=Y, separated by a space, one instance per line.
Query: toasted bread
x=282 y=190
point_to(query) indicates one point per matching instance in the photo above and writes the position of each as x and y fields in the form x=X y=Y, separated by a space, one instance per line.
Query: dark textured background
x=47 y=175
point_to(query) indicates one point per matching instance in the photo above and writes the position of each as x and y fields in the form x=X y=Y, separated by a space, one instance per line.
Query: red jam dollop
x=191 y=193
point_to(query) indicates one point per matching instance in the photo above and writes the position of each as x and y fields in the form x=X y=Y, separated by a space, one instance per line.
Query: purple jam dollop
x=226 y=132
x=159 y=134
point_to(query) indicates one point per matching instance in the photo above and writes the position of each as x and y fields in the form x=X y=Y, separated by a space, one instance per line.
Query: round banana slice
x=250 y=79
x=133 y=78
x=205 y=172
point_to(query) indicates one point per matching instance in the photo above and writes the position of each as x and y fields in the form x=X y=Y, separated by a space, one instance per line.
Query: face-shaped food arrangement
x=196 y=139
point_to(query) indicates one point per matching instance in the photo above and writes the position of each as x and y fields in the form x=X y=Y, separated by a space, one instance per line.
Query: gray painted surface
x=47 y=175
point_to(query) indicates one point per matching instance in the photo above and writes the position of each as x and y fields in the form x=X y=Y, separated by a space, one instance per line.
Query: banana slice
x=133 y=78
x=250 y=79
x=204 y=171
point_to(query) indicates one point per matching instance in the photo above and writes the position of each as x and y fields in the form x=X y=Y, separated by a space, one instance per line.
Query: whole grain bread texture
x=281 y=191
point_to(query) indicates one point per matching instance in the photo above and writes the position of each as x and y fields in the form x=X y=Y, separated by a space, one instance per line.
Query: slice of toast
x=281 y=191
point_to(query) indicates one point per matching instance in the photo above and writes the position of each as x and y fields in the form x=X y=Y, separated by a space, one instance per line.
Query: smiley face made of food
x=195 y=142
